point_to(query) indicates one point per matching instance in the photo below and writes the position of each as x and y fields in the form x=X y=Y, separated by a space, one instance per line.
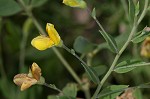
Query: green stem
x=67 y=66
x=74 y=54
x=52 y=86
x=22 y=50
x=114 y=62
x=86 y=90
x=136 y=23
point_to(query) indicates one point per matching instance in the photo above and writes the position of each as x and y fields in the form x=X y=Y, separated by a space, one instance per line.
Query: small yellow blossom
x=145 y=49
x=43 y=42
x=27 y=80
x=75 y=3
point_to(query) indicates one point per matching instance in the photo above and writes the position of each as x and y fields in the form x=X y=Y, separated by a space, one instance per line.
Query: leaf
x=137 y=8
x=100 y=70
x=131 y=10
x=82 y=45
x=93 y=13
x=59 y=97
x=120 y=40
x=70 y=90
x=111 y=42
x=111 y=92
x=127 y=66
x=9 y=7
x=91 y=73
x=137 y=94
x=27 y=26
x=37 y=3
x=142 y=35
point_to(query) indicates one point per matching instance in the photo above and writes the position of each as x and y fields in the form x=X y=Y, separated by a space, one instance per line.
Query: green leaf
x=91 y=73
x=93 y=13
x=70 y=90
x=59 y=97
x=137 y=8
x=131 y=10
x=100 y=70
x=137 y=94
x=37 y=3
x=111 y=92
x=111 y=42
x=82 y=45
x=142 y=35
x=9 y=7
x=27 y=26
x=127 y=66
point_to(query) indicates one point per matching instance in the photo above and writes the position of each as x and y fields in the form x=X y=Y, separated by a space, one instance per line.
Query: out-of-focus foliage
x=70 y=23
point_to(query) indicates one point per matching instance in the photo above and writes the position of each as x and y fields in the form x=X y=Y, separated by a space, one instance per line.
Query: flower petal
x=36 y=71
x=53 y=34
x=28 y=84
x=42 y=42
x=75 y=3
x=24 y=81
x=19 y=79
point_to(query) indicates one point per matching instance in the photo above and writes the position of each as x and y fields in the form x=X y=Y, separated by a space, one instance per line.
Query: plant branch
x=52 y=86
x=136 y=23
x=86 y=89
x=67 y=66
x=74 y=54
x=114 y=62
x=22 y=50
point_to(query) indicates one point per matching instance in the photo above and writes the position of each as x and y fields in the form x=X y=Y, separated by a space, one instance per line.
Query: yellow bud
x=53 y=34
x=36 y=71
x=75 y=3
x=42 y=42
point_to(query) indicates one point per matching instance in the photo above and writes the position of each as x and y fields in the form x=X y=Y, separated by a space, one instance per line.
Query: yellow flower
x=75 y=3
x=145 y=49
x=27 y=80
x=43 y=42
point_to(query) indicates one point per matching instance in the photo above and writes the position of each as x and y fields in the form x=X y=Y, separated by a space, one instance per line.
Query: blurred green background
x=70 y=23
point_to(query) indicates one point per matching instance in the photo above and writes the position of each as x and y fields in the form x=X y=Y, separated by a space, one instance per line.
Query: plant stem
x=52 y=86
x=114 y=63
x=86 y=90
x=136 y=23
x=74 y=54
x=22 y=50
x=67 y=66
